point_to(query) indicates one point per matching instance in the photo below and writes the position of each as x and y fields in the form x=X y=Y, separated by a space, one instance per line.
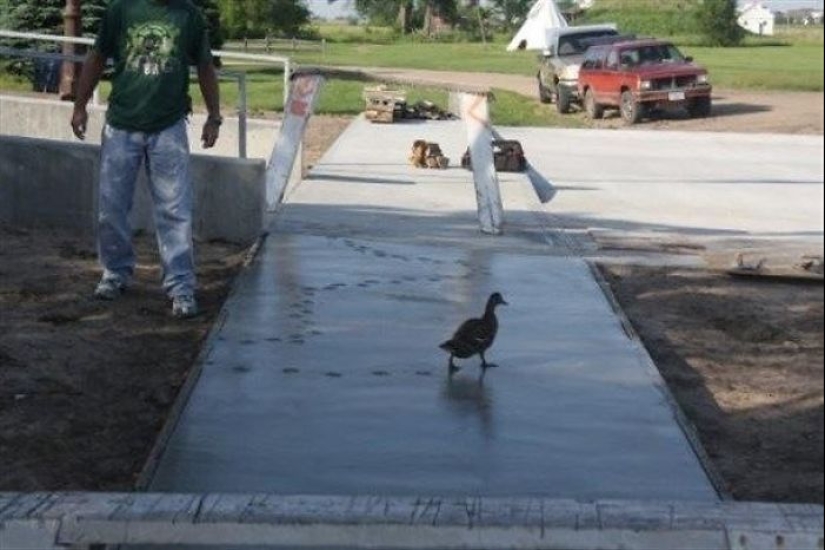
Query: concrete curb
x=688 y=428
x=53 y=520
x=151 y=464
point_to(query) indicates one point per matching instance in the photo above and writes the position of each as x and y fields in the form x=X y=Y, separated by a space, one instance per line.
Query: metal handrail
x=236 y=75
x=275 y=59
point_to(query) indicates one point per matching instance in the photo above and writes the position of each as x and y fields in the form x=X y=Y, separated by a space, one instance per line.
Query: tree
x=387 y=12
x=513 y=12
x=212 y=12
x=288 y=17
x=257 y=18
x=717 y=20
x=407 y=15
x=46 y=16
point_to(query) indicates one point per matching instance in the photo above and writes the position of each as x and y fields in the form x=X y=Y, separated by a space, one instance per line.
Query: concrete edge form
x=28 y=520
x=179 y=405
x=688 y=428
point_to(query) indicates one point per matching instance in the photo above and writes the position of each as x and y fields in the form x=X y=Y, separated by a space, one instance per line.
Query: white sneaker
x=109 y=289
x=184 y=307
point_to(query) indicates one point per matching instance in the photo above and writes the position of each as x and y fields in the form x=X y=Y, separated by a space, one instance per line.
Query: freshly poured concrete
x=326 y=379
x=325 y=376
x=704 y=187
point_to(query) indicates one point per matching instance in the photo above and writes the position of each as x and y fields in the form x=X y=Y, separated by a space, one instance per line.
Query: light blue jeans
x=166 y=157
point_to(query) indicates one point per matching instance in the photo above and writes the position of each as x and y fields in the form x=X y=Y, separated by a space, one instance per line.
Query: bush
x=660 y=18
x=717 y=21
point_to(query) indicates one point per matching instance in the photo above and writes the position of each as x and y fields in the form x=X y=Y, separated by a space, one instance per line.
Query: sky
x=344 y=8
x=785 y=5
x=327 y=10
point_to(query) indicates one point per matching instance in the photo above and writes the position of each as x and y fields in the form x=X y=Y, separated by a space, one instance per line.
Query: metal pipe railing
x=239 y=76
x=276 y=59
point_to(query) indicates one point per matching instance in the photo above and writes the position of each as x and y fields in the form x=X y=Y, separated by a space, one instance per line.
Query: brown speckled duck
x=475 y=336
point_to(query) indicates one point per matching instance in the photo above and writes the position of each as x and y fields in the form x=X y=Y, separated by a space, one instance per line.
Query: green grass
x=465 y=57
x=791 y=60
x=344 y=97
x=511 y=109
x=12 y=83
x=795 y=68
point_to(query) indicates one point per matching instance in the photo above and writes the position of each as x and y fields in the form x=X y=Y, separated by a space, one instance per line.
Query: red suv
x=637 y=76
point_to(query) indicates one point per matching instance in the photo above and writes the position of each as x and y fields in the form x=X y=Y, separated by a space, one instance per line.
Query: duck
x=475 y=336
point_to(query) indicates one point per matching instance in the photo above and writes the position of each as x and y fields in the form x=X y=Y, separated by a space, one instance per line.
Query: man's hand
x=210 y=133
x=80 y=118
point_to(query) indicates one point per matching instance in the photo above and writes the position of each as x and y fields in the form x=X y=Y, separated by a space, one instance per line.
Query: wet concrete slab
x=326 y=377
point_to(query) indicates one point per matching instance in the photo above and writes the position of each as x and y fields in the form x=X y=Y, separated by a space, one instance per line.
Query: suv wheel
x=544 y=94
x=699 y=107
x=563 y=100
x=631 y=110
x=593 y=109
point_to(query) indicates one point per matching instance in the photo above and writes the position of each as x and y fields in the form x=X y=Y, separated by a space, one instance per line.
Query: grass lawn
x=792 y=60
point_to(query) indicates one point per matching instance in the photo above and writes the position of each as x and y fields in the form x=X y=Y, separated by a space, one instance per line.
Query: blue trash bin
x=47 y=75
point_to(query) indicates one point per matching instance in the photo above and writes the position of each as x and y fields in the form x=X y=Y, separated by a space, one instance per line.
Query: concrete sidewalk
x=325 y=376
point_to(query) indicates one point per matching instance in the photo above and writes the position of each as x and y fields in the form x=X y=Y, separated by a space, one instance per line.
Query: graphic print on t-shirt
x=150 y=49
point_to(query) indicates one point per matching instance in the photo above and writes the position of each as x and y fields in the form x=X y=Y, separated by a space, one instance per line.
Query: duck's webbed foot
x=485 y=365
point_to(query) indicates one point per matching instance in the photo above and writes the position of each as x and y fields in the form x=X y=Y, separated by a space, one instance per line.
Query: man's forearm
x=208 y=80
x=89 y=77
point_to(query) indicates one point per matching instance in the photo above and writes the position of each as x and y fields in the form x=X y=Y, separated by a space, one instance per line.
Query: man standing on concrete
x=153 y=43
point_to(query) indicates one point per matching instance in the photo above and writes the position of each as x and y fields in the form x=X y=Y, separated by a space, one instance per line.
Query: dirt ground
x=85 y=387
x=744 y=360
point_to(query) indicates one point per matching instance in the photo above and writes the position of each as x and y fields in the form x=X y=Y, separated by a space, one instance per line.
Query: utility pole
x=71 y=28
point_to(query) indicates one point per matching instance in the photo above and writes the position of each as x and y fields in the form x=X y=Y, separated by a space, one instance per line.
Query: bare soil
x=85 y=387
x=743 y=357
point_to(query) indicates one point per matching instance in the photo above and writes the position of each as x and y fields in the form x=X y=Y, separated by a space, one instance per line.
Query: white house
x=756 y=18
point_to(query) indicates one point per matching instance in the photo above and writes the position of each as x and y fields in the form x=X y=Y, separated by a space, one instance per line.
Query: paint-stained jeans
x=166 y=156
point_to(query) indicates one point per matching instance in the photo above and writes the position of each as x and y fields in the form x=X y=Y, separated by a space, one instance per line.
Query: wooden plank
x=476 y=114
x=6 y=500
x=83 y=505
x=222 y=508
x=174 y=508
x=136 y=507
x=782 y=275
x=303 y=94
x=23 y=506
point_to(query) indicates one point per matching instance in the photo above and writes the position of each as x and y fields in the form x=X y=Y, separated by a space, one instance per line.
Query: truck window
x=613 y=60
x=576 y=44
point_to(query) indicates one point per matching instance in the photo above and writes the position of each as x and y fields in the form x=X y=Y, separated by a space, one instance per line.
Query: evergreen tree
x=717 y=20
x=211 y=10
x=514 y=12
x=40 y=16
x=287 y=17
x=257 y=18
x=46 y=16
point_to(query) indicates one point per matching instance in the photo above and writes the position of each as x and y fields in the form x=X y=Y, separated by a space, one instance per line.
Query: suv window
x=651 y=53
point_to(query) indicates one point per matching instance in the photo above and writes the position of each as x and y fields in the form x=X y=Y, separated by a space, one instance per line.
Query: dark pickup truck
x=638 y=76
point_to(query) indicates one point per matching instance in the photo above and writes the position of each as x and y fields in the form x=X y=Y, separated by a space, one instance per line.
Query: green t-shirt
x=153 y=43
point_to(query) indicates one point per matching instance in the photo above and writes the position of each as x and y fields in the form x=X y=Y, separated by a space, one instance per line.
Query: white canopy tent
x=543 y=16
